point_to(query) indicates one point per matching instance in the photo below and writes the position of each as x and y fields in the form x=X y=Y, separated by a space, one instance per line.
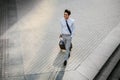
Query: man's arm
x=73 y=29
x=61 y=29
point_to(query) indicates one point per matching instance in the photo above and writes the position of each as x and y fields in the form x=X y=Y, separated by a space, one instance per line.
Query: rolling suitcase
x=62 y=45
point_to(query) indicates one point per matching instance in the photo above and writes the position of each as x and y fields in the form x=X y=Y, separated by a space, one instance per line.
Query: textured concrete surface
x=32 y=50
x=91 y=66
x=110 y=70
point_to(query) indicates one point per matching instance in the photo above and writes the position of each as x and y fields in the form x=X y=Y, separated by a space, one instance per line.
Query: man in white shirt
x=67 y=31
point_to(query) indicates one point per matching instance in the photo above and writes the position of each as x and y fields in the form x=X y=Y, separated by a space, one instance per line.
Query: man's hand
x=60 y=36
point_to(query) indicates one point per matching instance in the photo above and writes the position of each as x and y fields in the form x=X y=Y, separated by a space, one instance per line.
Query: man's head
x=67 y=13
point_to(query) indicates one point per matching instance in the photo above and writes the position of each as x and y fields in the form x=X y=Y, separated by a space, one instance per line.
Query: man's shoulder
x=71 y=19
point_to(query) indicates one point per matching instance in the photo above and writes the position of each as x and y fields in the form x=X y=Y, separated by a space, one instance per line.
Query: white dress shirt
x=64 y=29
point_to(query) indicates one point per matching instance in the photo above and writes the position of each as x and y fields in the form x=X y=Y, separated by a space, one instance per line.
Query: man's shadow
x=60 y=74
x=58 y=64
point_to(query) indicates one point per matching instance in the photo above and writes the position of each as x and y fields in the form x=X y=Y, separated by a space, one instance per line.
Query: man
x=67 y=31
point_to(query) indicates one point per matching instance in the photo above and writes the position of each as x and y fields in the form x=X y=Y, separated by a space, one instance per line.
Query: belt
x=66 y=34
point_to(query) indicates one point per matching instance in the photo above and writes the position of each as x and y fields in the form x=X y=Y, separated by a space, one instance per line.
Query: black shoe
x=65 y=62
x=69 y=55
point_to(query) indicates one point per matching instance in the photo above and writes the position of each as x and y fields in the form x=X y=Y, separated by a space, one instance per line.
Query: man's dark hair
x=67 y=11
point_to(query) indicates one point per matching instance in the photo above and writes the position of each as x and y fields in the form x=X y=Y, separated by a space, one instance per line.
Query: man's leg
x=67 y=46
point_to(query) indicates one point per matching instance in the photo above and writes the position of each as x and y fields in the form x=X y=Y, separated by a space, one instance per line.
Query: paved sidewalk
x=31 y=49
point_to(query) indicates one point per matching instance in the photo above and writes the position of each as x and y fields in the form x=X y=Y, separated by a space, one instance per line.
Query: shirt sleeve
x=73 y=29
x=61 y=26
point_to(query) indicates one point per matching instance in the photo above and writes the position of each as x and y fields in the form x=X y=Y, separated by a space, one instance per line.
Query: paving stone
x=15 y=70
x=15 y=78
x=76 y=76
x=44 y=76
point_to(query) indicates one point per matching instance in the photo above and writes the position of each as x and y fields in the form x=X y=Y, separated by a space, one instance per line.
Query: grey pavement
x=111 y=69
x=31 y=49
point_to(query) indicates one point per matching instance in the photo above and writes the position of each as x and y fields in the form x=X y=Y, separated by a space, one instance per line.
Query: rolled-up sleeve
x=73 y=29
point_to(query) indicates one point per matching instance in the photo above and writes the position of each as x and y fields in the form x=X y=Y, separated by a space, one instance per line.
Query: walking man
x=67 y=31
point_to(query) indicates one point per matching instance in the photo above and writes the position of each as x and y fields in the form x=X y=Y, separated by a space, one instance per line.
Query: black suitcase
x=62 y=45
